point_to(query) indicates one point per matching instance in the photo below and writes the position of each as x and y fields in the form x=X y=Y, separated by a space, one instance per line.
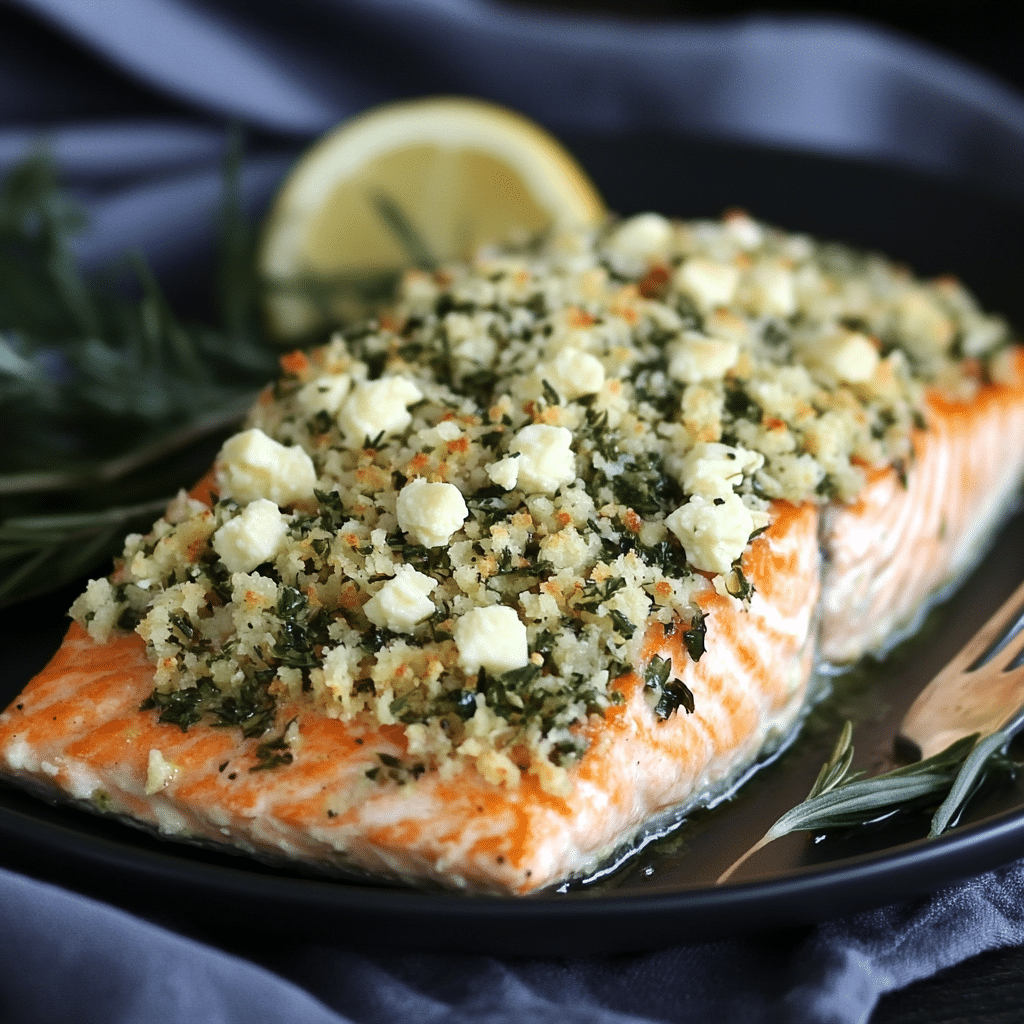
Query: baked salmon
x=915 y=530
x=543 y=560
x=77 y=730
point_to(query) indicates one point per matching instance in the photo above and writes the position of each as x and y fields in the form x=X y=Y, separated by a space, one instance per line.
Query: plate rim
x=468 y=922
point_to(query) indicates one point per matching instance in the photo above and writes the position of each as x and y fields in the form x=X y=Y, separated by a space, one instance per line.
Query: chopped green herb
x=273 y=753
x=695 y=636
x=657 y=672
x=675 y=695
x=621 y=623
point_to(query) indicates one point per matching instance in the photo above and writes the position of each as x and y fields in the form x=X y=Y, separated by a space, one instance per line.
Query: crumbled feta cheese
x=402 y=602
x=325 y=394
x=160 y=773
x=504 y=472
x=252 y=465
x=431 y=512
x=377 y=407
x=772 y=290
x=714 y=531
x=572 y=374
x=492 y=638
x=708 y=282
x=849 y=355
x=646 y=236
x=546 y=460
x=696 y=357
x=252 y=537
x=716 y=470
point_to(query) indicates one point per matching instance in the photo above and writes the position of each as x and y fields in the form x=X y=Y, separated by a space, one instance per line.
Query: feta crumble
x=430 y=513
x=377 y=408
x=252 y=465
x=325 y=394
x=546 y=460
x=253 y=537
x=491 y=638
x=708 y=282
x=402 y=602
x=714 y=531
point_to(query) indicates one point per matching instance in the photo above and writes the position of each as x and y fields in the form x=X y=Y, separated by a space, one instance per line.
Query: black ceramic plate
x=665 y=893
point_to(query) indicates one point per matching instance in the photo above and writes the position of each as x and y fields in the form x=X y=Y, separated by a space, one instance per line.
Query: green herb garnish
x=104 y=394
x=273 y=753
x=394 y=769
x=672 y=694
x=842 y=798
x=695 y=636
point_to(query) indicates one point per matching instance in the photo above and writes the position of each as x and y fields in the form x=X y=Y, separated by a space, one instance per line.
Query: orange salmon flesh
x=828 y=583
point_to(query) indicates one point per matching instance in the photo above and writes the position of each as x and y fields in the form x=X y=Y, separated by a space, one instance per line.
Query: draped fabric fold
x=65 y=950
x=823 y=85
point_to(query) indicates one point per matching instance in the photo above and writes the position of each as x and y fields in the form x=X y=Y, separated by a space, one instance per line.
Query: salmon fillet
x=77 y=731
x=710 y=557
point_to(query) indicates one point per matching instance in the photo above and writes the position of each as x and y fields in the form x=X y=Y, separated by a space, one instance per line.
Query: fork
x=980 y=691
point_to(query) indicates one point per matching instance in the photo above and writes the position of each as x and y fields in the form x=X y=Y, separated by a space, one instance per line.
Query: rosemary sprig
x=842 y=798
x=104 y=392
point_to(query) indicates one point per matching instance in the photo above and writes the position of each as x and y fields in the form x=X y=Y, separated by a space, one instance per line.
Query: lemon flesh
x=419 y=183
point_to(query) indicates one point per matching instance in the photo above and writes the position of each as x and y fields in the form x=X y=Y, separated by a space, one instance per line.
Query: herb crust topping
x=461 y=518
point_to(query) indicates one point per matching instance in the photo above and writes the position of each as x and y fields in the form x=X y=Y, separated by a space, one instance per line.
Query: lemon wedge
x=419 y=183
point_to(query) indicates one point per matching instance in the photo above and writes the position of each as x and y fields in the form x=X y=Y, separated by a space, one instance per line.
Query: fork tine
x=967 y=697
x=1009 y=651
x=991 y=633
x=1015 y=714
